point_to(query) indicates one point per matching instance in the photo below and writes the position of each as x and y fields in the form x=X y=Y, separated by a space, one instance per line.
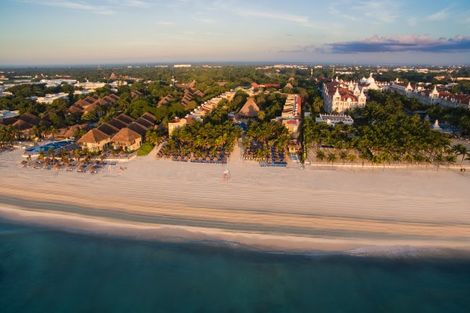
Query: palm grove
x=383 y=133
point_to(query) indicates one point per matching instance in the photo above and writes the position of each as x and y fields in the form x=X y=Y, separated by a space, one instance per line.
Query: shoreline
x=246 y=240
x=258 y=208
x=254 y=242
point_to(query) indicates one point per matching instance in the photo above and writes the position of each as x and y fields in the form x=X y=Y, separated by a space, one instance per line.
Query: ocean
x=43 y=270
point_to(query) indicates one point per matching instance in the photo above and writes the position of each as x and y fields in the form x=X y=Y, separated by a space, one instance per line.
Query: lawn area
x=145 y=149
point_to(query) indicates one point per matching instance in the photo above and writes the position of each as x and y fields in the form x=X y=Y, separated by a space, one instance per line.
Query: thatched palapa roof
x=249 y=109
x=93 y=136
x=126 y=136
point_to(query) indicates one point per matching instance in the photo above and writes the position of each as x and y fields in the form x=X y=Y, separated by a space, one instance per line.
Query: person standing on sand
x=226 y=175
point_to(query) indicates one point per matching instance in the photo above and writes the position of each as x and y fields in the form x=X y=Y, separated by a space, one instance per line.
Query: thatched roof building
x=127 y=139
x=93 y=136
x=249 y=109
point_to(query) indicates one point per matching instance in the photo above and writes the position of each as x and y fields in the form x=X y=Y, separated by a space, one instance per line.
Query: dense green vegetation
x=8 y=135
x=383 y=133
x=270 y=105
x=221 y=112
x=458 y=117
x=202 y=140
x=262 y=138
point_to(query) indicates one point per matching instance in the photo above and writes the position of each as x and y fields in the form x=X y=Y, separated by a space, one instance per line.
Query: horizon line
x=239 y=63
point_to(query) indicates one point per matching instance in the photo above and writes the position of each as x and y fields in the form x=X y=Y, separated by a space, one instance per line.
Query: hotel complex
x=340 y=96
x=426 y=94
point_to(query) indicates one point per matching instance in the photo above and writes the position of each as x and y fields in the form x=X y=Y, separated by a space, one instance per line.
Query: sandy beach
x=282 y=209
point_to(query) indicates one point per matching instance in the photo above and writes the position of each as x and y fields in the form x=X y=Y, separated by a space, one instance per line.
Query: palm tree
x=331 y=157
x=460 y=149
x=320 y=155
x=53 y=131
x=351 y=157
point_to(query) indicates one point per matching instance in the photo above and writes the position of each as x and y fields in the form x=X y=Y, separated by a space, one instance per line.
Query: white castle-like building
x=424 y=94
x=339 y=95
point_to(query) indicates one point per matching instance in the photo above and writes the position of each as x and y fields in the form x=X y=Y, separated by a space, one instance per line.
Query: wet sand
x=278 y=209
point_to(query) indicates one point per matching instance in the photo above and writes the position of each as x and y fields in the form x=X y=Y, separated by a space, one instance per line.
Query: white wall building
x=339 y=96
x=49 y=98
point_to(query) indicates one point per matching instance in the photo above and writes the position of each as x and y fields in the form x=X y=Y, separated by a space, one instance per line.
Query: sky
x=53 y=32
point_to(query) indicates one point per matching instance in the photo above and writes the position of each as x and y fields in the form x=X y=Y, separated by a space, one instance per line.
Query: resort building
x=371 y=84
x=25 y=124
x=136 y=94
x=431 y=95
x=207 y=107
x=292 y=107
x=175 y=124
x=94 y=140
x=200 y=112
x=8 y=117
x=91 y=103
x=165 y=100
x=70 y=132
x=291 y=114
x=339 y=96
x=249 y=110
x=190 y=94
x=126 y=139
x=334 y=119
x=98 y=138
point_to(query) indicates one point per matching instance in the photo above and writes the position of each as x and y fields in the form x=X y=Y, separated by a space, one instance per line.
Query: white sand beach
x=267 y=208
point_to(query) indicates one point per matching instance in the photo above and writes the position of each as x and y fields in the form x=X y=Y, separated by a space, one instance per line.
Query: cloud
x=205 y=20
x=298 y=19
x=136 y=3
x=381 y=11
x=103 y=7
x=401 y=44
x=375 y=11
x=165 y=23
x=439 y=15
x=77 y=5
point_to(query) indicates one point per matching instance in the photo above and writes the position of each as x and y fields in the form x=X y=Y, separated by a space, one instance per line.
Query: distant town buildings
x=57 y=82
x=92 y=86
x=283 y=66
x=49 y=98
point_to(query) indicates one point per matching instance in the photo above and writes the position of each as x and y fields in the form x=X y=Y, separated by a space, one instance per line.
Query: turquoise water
x=49 y=271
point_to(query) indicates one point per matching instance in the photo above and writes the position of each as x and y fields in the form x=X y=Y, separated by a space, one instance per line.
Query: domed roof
x=371 y=79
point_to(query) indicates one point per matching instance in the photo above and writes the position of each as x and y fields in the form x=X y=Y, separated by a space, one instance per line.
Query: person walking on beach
x=226 y=175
